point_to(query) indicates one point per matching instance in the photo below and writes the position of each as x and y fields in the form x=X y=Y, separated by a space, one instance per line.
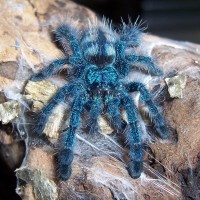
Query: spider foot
x=64 y=160
x=38 y=129
x=64 y=172
x=36 y=77
x=91 y=126
x=136 y=164
x=157 y=72
x=40 y=120
x=117 y=123
x=163 y=131
x=135 y=169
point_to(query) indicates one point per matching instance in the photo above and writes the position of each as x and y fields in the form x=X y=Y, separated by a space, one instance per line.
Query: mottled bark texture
x=171 y=167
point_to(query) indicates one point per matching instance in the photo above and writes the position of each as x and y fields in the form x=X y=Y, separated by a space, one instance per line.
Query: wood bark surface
x=171 y=167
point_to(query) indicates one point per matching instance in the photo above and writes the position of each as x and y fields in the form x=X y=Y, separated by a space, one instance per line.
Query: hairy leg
x=134 y=139
x=147 y=61
x=121 y=63
x=113 y=105
x=95 y=109
x=65 y=156
x=45 y=112
x=66 y=34
x=53 y=68
x=157 y=118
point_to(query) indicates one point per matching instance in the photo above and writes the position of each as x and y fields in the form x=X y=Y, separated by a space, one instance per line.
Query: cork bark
x=171 y=167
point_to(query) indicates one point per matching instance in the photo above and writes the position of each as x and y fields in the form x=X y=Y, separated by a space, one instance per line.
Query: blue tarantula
x=100 y=62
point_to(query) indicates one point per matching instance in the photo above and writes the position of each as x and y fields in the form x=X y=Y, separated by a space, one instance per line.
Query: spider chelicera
x=100 y=65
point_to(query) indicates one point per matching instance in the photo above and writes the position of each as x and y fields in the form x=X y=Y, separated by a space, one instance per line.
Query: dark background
x=176 y=19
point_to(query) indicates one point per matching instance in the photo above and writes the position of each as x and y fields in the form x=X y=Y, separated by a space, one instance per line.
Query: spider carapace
x=101 y=63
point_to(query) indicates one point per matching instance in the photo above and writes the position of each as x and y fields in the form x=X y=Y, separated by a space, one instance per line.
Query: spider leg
x=147 y=61
x=157 y=118
x=53 y=68
x=121 y=63
x=66 y=35
x=45 y=112
x=113 y=105
x=134 y=139
x=95 y=109
x=65 y=156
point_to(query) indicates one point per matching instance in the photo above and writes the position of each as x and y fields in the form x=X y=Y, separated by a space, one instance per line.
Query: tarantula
x=100 y=62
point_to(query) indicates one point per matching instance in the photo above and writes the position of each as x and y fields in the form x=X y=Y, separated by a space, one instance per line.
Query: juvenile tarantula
x=101 y=64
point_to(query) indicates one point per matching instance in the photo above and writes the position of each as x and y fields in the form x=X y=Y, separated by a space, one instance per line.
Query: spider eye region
x=100 y=55
x=106 y=78
x=98 y=46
